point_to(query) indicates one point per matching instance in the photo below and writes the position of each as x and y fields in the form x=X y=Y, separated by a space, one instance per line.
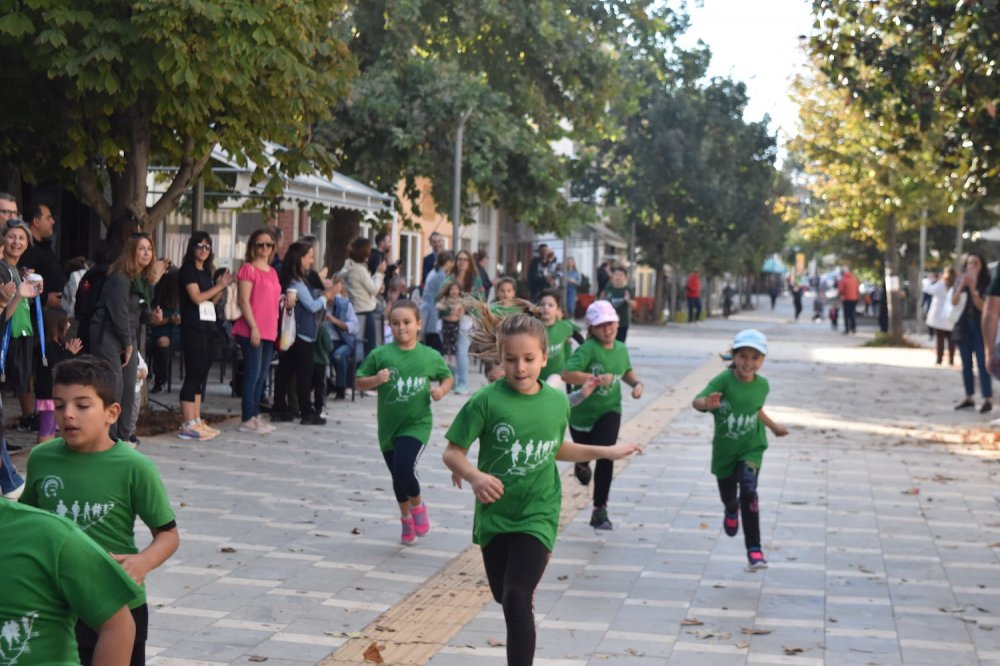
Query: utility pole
x=456 y=195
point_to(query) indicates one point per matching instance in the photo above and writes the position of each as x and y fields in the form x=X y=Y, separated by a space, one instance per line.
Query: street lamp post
x=456 y=195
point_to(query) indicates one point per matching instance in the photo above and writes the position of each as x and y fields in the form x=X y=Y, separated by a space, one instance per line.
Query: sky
x=756 y=42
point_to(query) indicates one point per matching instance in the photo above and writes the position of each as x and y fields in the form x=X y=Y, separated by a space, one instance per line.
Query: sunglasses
x=263 y=244
x=203 y=246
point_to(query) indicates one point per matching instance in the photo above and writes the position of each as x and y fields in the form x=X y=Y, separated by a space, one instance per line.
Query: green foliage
x=928 y=69
x=115 y=85
x=533 y=72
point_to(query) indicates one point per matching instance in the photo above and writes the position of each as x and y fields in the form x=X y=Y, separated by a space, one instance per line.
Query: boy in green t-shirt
x=520 y=423
x=736 y=399
x=621 y=297
x=559 y=332
x=102 y=485
x=402 y=372
x=54 y=574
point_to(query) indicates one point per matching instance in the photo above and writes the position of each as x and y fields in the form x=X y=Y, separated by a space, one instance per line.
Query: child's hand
x=607 y=379
x=779 y=430
x=487 y=488
x=619 y=451
x=713 y=401
x=495 y=373
x=7 y=292
x=382 y=376
x=142 y=374
x=74 y=346
x=637 y=390
x=134 y=566
x=438 y=392
x=593 y=381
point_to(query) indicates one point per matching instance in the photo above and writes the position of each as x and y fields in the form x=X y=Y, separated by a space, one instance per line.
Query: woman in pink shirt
x=258 y=292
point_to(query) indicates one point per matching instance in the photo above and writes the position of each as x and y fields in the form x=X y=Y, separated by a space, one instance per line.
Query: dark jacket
x=117 y=311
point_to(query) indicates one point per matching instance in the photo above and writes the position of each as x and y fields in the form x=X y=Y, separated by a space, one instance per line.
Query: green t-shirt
x=591 y=357
x=559 y=335
x=404 y=402
x=739 y=432
x=519 y=436
x=501 y=310
x=619 y=297
x=53 y=574
x=20 y=320
x=101 y=492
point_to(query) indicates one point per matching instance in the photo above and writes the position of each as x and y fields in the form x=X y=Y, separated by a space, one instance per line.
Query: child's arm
x=573 y=452
x=579 y=378
x=74 y=346
x=632 y=379
x=778 y=430
x=582 y=393
x=486 y=487
x=115 y=639
x=707 y=403
x=373 y=381
x=164 y=545
x=441 y=390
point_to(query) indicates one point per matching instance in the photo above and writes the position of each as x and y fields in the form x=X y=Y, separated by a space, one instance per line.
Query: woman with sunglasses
x=114 y=325
x=198 y=323
x=258 y=292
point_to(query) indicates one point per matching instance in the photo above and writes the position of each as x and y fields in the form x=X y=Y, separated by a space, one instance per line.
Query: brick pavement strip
x=420 y=625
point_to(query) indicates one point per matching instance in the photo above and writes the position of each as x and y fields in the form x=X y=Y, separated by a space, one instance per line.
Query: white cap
x=751 y=338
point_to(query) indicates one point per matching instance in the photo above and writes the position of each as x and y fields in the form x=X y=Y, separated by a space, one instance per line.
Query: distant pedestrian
x=621 y=296
x=519 y=422
x=941 y=314
x=572 y=276
x=598 y=419
x=693 y=292
x=603 y=276
x=727 y=301
x=403 y=372
x=736 y=399
x=538 y=272
x=973 y=283
x=847 y=289
x=797 y=300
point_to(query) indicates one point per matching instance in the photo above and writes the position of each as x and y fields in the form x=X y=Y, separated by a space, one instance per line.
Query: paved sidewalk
x=877 y=515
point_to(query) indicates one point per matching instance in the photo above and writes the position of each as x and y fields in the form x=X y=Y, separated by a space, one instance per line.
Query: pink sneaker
x=421 y=523
x=409 y=535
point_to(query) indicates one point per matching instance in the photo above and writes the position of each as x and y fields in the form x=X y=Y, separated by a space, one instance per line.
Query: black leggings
x=196 y=346
x=745 y=481
x=86 y=638
x=604 y=433
x=514 y=564
x=402 y=464
x=622 y=333
x=297 y=360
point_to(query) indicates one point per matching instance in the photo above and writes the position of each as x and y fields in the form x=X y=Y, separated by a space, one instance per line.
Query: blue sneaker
x=731 y=523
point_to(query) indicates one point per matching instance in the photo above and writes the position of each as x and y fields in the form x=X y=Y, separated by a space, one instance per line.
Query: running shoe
x=756 y=559
x=409 y=531
x=421 y=522
x=731 y=523
x=599 y=519
x=582 y=473
x=263 y=426
x=191 y=433
x=249 y=426
x=207 y=430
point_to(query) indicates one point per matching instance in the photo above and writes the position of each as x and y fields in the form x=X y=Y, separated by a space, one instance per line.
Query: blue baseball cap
x=751 y=338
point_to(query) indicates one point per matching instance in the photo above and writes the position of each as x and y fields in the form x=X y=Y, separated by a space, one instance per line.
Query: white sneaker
x=249 y=426
x=263 y=427
x=15 y=494
x=995 y=422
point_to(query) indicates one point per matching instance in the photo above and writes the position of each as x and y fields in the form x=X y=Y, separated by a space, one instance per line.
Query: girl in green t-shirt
x=736 y=399
x=402 y=371
x=559 y=332
x=598 y=419
x=520 y=423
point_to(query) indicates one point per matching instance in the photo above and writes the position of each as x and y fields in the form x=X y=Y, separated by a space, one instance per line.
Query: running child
x=559 y=332
x=597 y=420
x=621 y=297
x=102 y=485
x=56 y=327
x=736 y=399
x=506 y=302
x=520 y=423
x=450 y=312
x=402 y=372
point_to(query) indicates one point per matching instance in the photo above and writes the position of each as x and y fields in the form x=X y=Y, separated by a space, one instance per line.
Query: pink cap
x=600 y=312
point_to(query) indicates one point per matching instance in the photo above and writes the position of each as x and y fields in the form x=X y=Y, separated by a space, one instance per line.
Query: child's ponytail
x=490 y=329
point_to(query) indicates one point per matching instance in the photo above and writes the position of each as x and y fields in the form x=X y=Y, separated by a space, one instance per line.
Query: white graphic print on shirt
x=85 y=515
x=15 y=637
x=737 y=425
x=519 y=457
x=401 y=389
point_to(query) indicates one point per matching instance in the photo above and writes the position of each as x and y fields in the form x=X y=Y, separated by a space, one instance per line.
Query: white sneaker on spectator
x=995 y=422
x=263 y=427
x=201 y=426
x=249 y=426
x=324 y=414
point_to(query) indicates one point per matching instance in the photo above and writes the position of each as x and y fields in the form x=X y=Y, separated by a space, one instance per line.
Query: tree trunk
x=710 y=284
x=893 y=291
x=344 y=226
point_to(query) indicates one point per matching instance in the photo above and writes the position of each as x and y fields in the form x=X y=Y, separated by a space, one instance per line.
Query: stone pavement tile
x=687 y=652
x=568 y=640
x=649 y=619
x=292 y=652
x=648 y=656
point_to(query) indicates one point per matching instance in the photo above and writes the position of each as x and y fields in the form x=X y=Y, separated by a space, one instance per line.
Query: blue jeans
x=462 y=358
x=256 y=366
x=10 y=480
x=339 y=358
x=970 y=341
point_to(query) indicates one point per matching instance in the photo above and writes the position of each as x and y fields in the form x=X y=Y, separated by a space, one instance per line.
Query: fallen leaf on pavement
x=750 y=631
x=495 y=642
x=704 y=526
x=380 y=627
x=743 y=645
x=792 y=651
x=691 y=622
x=912 y=491
x=356 y=531
x=227 y=549
x=373 y=654
x=256 y=658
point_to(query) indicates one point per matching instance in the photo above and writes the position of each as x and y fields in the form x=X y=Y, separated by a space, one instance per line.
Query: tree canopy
x=112 y=86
